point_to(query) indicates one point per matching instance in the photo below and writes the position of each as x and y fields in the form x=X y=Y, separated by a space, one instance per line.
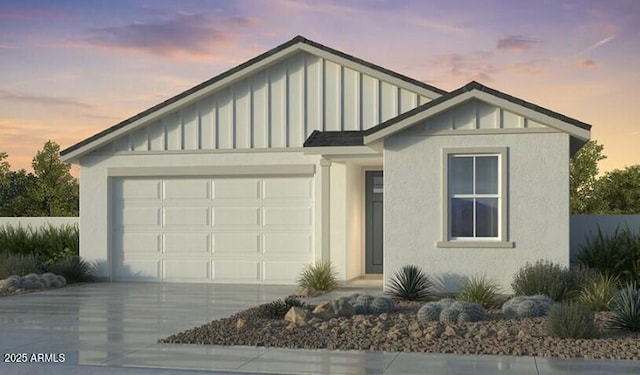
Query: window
x=474 y=199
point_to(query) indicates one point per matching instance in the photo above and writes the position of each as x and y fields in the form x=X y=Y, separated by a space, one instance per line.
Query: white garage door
x=240 y=230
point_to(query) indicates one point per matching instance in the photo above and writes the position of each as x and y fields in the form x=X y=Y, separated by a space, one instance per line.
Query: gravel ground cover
x=400 y=331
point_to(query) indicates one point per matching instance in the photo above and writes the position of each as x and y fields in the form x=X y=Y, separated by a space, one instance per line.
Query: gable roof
x=335 y=138
x=299 y=43
x=473 y=89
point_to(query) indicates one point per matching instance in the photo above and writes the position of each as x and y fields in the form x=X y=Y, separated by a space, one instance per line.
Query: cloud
x=194 y=36
x=598 y=44
x=42 y=100
x=530 y=68
x=515 y=43
x=588 y=63
x=471 y=66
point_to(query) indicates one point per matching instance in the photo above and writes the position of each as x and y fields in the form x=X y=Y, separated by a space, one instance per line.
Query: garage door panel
x=186 y=243
x=236 y=189
x=190 y=189
x=186 y=216
x=138 y=270
x=138 y=189
x=236 y=216
x=282 y=271
x=141 y=243
x=289 y=244
x=287 y=216
x=234 y=270
x=140 y=216
x=193 y=270
x=288 y=188
x=236 y=243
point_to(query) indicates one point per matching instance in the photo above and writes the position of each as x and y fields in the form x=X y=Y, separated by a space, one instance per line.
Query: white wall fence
x=38 y=222
x=583 y=226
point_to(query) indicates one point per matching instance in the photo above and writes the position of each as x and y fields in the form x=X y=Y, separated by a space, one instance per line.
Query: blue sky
x=69 y=69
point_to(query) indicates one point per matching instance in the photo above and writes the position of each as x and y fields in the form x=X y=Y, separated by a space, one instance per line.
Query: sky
x=71 y=68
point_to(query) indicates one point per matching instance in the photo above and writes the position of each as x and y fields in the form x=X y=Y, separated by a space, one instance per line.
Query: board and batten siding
x=277 y=107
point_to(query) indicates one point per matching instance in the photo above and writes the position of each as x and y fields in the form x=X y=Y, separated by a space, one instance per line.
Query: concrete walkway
x=113 y=329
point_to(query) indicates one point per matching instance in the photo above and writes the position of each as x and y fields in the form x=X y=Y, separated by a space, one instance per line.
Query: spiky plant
x=321 y=277
x=73 y=268
x=571 y=320
x=626 y=309
x=19 y=264
x=479 y=289
x=598 y=292
x=410 y=283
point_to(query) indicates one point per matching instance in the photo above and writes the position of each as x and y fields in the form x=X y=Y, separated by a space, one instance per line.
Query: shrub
x=449 y=312
x=51 y=243
x=613 y=254
x=571 y=321
x=430 y=312
x=527 y=306
x=381 y=305
x=321 y=277
x=410 y=283
x=597 y=293
x=19 y=264
x=544 y=277
x=73 y=268
x=277 y=309
x=626 y=309
x=480 y=290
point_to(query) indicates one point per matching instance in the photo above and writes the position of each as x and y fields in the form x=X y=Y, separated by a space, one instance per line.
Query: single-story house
x=306 y=153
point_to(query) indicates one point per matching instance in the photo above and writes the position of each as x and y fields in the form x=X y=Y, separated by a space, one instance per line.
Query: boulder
x=334 y=308
x=298 y=315
x=241 y=324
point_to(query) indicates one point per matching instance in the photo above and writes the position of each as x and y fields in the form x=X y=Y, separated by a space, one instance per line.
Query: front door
x=374 y=228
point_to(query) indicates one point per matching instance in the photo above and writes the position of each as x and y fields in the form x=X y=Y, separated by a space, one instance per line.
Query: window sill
x=476 y=244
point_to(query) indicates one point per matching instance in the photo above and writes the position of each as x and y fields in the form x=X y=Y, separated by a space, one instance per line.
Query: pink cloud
x=42 y=99
x=588 y=63
x=515 y=43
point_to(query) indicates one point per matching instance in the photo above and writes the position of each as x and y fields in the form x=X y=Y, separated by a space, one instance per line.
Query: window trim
x=502 y=240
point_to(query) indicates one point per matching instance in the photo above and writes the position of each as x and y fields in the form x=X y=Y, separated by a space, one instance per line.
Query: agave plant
x=321 y=277
x=412 y=284
x=626 y=310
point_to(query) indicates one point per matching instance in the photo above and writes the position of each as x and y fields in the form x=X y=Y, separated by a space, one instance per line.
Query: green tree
x=4 y=170
x=583 y=172
x=619 y=191
x=56 y=191
x=14 y=198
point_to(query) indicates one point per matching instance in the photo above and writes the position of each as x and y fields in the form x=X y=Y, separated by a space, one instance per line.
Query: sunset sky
x=71 y=68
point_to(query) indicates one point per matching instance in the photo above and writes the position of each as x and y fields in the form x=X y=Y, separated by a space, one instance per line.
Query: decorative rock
x=450 y=332
x=241 y=323
x=306 y=292
x=334 y=308
x=298 y=315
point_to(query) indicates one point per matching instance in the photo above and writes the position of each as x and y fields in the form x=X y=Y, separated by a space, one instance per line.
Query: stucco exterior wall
x=95 y=202
x=538 y=211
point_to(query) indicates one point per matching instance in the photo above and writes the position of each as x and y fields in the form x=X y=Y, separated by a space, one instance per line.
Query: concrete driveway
x=113 y=329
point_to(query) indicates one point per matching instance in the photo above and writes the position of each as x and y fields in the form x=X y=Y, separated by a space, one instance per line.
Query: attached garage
x=249 y=229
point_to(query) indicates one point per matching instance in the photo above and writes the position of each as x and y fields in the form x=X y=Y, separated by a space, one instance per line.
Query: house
x=306 y=153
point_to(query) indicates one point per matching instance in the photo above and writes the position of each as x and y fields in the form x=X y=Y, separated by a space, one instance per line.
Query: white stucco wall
x=95 y=205
x=538 y=212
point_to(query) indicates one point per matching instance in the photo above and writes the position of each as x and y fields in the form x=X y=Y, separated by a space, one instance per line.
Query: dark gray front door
x=373 y=212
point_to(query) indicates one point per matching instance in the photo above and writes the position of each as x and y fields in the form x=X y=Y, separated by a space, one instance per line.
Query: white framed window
x=474 y=198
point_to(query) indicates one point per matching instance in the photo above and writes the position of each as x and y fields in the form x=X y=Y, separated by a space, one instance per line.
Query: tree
x=50 y=191
x=56 y=191
x=583 y=172
x=619 y=190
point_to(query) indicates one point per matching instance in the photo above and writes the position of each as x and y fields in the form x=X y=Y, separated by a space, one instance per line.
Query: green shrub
x=544 y=277
x=19 y=264
x=626 y=309
x=73 y=268
x=321 y=277
x=410 y=283
x=613 y=254
x=51 y=243
x=277 y=309
x=480 y=290
x=597 y=293
x=527 y=306
x=571 y=321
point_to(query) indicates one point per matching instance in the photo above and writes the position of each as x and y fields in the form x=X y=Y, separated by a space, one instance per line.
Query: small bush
x=480 y=290
x=626 y=309
x=410 y=283
x=19 y=264
x=597 y=293
x=73 y=268
x=277 y=309
x=527 y=306
x=613 y=254
x=51 y=243
x=321 y=277
x=571 y=321
x=543 y=277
